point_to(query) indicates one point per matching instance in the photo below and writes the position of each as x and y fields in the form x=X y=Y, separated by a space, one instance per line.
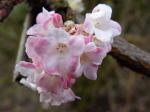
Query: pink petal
x=60 y=35
x=90 y=71
x=57 y=20
x=29 y=71
x=88 y=25
x=66 y=96
x=50 y=82
x=50 y=63
x=37 y=30
x=25 y=68
x=87 y=39
x=74 y=67
x=69 y=95
x=93 y=53
x=77 y=44
x=97 y=55
x=69 y=81
x=90 y=47
x=58 y=98
x=44 y=16
x=79 y=70
x=36 y=49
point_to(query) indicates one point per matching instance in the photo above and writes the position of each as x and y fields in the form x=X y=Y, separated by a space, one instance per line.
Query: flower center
x=61 y=47
x=84 y=58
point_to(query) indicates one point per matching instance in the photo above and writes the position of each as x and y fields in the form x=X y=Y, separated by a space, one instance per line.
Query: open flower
x=52 y=52
x=51 y=87
x=54 y=91
x=91 y=58
x=61 y=53
x=99 y=23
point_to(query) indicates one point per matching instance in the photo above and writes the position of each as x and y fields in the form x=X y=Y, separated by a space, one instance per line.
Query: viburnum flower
x=61 y=53
x=51 y=87
x=91 y=58
x=99 y=23
x=52 y=52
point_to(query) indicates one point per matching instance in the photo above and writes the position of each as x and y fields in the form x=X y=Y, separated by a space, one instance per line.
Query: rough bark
x=131 y=56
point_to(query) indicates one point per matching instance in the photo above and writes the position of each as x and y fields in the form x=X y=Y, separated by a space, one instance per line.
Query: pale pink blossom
x=52 y=52
x=91 y=58
x=60 y=54
x=51 y=87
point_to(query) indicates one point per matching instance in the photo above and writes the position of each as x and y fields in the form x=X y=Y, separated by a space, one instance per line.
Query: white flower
x=99 y=23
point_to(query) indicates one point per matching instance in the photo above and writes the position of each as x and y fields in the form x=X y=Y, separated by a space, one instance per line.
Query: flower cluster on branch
x=62 y=52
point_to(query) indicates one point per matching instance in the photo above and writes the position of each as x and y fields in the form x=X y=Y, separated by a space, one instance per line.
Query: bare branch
x=131 y=56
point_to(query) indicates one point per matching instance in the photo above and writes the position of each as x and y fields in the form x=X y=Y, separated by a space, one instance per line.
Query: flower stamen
x=61 y=47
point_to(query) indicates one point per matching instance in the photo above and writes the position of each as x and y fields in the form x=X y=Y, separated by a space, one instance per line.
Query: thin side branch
x=21 y=55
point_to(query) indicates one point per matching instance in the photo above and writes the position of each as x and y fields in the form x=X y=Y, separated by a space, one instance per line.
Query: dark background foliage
x=117 y=89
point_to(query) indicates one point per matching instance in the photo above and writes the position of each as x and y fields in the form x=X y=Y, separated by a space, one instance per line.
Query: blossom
x=92 y=57
x=99 y=23
x=50 y=47
x=51 y=87
x=61 y=53
x=52 y=52
x=101 y=30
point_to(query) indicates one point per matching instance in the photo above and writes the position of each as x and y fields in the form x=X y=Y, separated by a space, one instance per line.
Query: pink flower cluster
x=61 y=53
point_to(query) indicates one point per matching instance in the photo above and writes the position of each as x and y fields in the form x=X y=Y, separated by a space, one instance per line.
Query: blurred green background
x=117 y=89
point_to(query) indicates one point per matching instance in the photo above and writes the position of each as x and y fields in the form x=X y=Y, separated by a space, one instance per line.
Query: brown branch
x=131 y=56
x=6 y=6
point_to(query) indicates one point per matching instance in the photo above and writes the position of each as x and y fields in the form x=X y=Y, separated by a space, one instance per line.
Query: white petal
x=77 y=44
x=37 y=30
x=116 y=28
x=90 y=71
x=90 y=47
x=79 y=71
x=59 y=34
x=44 y=10
x=25 y=68
x=28 y=84
x=88 y=25
x=104 y=11
x=103 y=35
